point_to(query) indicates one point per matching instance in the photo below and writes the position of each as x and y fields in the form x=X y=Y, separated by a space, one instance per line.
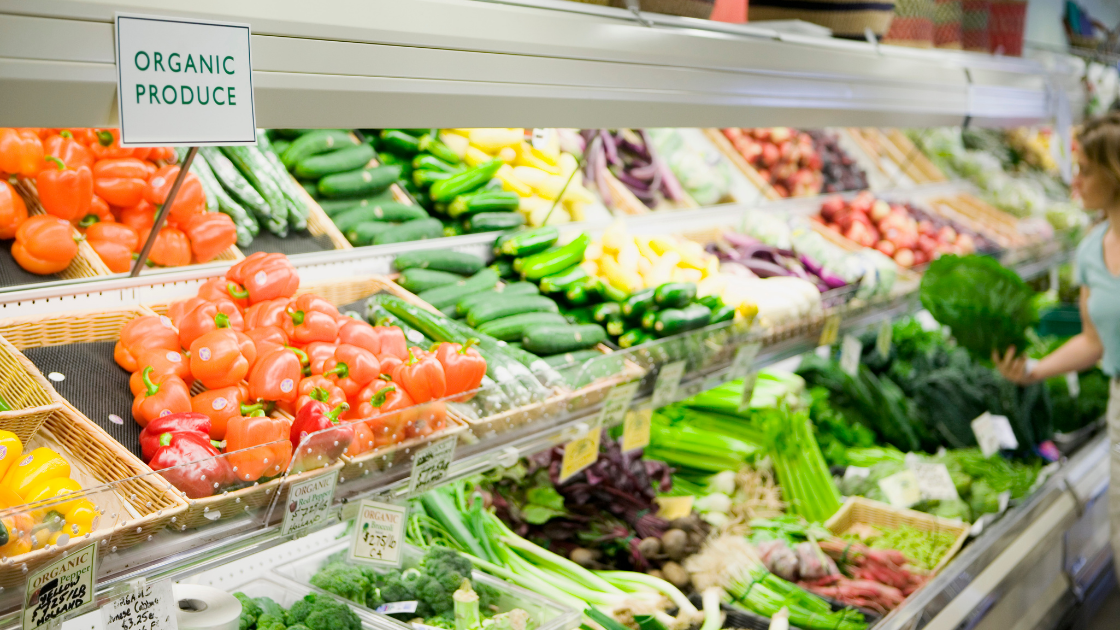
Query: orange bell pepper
x=21 y=152
x=65 y=193
x=18 y=526
x=211 y=233
x=179 y=308
x=311 y=318
x=222 y=405
x=319 y=388
x=426 y=419
x=208 y=317
x=463 y=366
x=107 y=145
x=13 y=212
x=317 y=354
x=171 y=249
x=170 y=395
x=217 y=359
x=258 y=446
x=421 y=376
x=266 y=339
x=363 y=439
x=120 y=181
x=275 y=375
x=116 y=256
x=190 y=200
x=381 y=407
x=166 y=154
x=143 y=333
x=98 y=211
x=268 y=313
x=216 y=289
x=140 y=217
x=114 y=232
x=44 y=244
x=68 y=149
x=265 y=276
x=163 y=363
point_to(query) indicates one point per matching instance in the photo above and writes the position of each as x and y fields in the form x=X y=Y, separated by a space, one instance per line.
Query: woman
x=1098 y=273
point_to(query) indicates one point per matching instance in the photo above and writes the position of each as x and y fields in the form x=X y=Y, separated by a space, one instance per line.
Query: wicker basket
x=858 y=510
x=30 y=396
x=1006 y=27
x=912 y=24
x=947 y=24
x=846 y=18
x=975 y=18
x=86 y=263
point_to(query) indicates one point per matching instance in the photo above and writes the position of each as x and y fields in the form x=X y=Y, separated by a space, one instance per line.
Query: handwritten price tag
x=993 y=433
x=430 y=465
x=308 y=503
x=635 y=429
x=851 y=350
x=147 y=607
x=617 y=403
x=744 y=360
x=884 y=339
x=901 y=489
x=580 y=452
x=934 y=481
x=668 y=381
x=379 y=534
x=59 y=589
x=830 y=331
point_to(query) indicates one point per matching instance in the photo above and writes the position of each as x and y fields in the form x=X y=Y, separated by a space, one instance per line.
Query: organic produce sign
x=379 y=534
x=308 y=502
x=59 y=589
x=144 y=607
x=184 y=82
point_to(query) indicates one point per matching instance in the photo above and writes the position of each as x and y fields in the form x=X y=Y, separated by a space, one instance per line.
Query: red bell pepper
x=317 y=354
x=326 y=447
x=66 y=148
x=217 y=359
x=267 y=313
x=352 y=368
x=216 y=289
x=13 y=211
x=381 y=409
x=208 y=317
x=463 y=366
x=258 y=446
x=421 y=376
x=163 y=363
x=222 y=405
x=266 y=339
x=65 y=192
x=265 y=276
x=311 y=318
x=190 y=462
x=121 y=181
x=21 y=152
x=211 y=233
x=275 y=375
x=142 y=333
x=45 y=244
x=169 y=396
x=188 y=421
x=190 y=200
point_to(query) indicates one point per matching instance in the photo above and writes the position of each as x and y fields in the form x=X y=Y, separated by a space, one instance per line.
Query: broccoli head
x=268 y=620
x=447 y=566
x=249 y=611
x=298 y=626
x=394 y=588
x=441 y=621
x=323 y=613
x=344 y=580
x=488 y=596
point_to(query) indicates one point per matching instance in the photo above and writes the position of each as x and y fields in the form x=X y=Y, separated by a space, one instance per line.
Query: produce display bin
x=858 y=510
x=546 y=614
x=286 y=592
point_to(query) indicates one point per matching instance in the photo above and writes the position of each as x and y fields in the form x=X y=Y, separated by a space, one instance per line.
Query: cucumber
x=612 y=293
x=314 y=143
x=674 y=294
x=711 y=301
x=558 y=282
x=722 y=313
x=510 y=306
x=601 y=312
x=494 y=221
x=291 y=134
x=633 y=337
x=427 y=162
x=474 y=203
x=580 y=315
x=279 y=145
x=363 y=233
x=615 y=325
x=649 y=319
x=440 y=260
x=512 y=328
x=417 y=230
x=450 y=294
x=637 y=304
x=580 y=292
x=573 y=358
x=311 y=188
x=504 y=267
x=518 y=288
x=469 y=180
x=527 y=242
x=339 y=161
x=391 y=212
x=549 y=262
x=359 y=183
x=557 y=339
x=338 y=206
x=424 y=177
x=417 y=279
x=674 y=321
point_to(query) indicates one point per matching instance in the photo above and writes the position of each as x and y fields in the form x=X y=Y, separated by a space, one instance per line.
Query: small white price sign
x=430 y=465
x=308 y=502
x=993 y=433
x=379 y=534
x=744 y=360
x=934 y=481
x=747 y=394
x=1073 y=384
x=668 y=381
x=146 y=607
x=616 y=403
x=851 y=350
x=885 y=338
x=635 y=429
x=830 y=331
x=59 y=589
x=901 y=489
x=580 y=452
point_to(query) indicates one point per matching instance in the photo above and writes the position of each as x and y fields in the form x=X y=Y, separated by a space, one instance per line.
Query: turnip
x=675 y=574
x=674 y=543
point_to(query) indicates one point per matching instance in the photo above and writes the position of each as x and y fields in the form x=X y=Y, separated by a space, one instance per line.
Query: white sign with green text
x=184 y=82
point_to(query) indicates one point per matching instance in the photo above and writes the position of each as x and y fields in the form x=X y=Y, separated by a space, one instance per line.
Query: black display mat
x=94 y=384
x=296 y=242
x=11 y=274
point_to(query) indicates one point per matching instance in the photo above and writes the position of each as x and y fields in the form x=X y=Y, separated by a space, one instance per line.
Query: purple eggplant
x=610 y=148
x=633 y=183
x=764 y=269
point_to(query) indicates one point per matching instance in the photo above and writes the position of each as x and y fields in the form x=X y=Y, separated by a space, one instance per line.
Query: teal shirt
x=1104 y=296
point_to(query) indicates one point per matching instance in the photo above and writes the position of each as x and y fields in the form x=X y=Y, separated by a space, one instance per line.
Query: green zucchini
x=337 y=206
x=449 y=295
x=314 y=143
x=298 y=210
x=417 y=230
x=465 y=305
x=560 y=281
x=255 y=167
x=637 y=304
x=391 y=212
x=489 y=311
x=612 y=293
x=340 y=161
x=494 y=221
x=549 y=262
x=551 y=339
x=606 y=310
x=674 y=294
x=474 y=203
x=440 y=260
x=399 y=142
x=580 y=292
x=418 y=279
x=578 y=357
x=359 y=183
x=512 y=328
x=580 y=315
x=633 y=337
x=649 y=319
x=527 y=242
x=504 y=267
x=363 y=233
x=433 y=163
x=465 y=182
x=424 y=178
x=243 y=221
x=615 y=325
x=674 y=321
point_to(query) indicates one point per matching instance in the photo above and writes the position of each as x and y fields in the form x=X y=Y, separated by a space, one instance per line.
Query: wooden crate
x=858 y=510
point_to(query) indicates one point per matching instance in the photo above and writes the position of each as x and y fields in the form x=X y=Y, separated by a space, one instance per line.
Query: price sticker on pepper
x=379 y=534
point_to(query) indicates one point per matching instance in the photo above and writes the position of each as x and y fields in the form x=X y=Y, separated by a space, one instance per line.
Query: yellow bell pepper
x=15 y=535
x=525 y=157
x=511 y=183
x=10 y=451
x=38 y=465
x=493 y=140
x=49 y=489
x=79 y=517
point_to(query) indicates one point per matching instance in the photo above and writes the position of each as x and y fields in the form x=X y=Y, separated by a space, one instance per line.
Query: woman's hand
x=1012 y=367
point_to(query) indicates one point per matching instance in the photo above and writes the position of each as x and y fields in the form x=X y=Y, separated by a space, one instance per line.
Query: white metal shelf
x=458 y=63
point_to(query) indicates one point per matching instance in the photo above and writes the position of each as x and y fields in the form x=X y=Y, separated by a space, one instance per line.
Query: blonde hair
x=1100 y=143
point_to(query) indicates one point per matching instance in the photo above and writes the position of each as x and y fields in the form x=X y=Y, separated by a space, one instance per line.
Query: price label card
x=851 y=350
x=747 y=394
x=831 y=331
x=668 y=381
x=744 y=360
x=635 y=429
x=993 y=433
x=544 y=139
x=308 y=503
x=184 y=82
x=856 y=473
x=901 y=489
x=1073 y=384
x=672 y=508
x=580 y=453
x=146 y=607
x=934 y=481
x=393 y=608
x=430 y=465
x=884 y=339
x=379 y=534
x=617 y=403
x=59 y=589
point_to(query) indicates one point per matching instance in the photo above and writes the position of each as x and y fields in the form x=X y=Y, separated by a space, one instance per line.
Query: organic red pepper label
x=286 y=385
x=261 y=277
x=204 y=353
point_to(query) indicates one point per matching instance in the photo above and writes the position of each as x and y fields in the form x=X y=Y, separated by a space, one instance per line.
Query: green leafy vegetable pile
x=313 y=612
x=924 y=549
